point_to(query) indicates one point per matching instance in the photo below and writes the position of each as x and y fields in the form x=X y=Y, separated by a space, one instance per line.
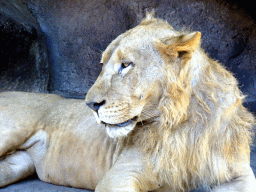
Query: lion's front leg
x=116 y=181
x=129 y=174
x=244 y=183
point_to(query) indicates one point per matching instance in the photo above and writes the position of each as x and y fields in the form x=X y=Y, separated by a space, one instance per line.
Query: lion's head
x=134 y=71
x=185 y=109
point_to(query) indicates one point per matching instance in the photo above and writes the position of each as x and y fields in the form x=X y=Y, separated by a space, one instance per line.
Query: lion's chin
x=120 y=129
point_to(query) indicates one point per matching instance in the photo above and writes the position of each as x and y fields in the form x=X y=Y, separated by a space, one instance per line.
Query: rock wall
x=76 y=32
x=23 y=51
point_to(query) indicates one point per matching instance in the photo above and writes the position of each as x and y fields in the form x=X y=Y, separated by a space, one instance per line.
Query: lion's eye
x=125 y=66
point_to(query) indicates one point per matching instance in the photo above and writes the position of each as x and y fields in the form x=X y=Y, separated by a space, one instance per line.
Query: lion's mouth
x=120 y=129
x=124 y=128
x=124 y=124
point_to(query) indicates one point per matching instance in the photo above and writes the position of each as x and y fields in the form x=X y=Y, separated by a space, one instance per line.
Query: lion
x=161 y=116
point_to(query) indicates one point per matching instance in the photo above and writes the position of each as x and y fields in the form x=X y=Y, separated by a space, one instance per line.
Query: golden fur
x=175 y=117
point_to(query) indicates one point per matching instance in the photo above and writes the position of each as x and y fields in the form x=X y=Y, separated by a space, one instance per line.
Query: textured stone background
x=55 y=46
x=23 y=51
x=75 y=32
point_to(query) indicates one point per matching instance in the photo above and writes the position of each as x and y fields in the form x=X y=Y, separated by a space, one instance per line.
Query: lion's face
x=129 y=87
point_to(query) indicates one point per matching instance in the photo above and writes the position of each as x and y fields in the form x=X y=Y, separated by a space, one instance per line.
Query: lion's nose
x=95 y=106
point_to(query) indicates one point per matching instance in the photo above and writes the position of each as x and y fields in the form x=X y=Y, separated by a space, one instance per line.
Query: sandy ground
x=33 y=184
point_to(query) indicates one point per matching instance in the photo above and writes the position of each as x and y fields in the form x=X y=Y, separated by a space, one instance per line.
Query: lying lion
x=168 y=118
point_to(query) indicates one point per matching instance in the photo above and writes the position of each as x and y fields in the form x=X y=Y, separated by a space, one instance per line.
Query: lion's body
x=59 y=135
x=175 y=117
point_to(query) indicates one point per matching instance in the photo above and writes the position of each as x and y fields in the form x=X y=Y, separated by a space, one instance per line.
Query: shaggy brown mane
x=204 y=130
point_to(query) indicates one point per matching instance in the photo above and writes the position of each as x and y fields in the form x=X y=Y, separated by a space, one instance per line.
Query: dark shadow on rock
x=23 y=52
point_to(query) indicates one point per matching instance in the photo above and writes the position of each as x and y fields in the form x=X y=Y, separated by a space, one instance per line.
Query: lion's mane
x=204 y=129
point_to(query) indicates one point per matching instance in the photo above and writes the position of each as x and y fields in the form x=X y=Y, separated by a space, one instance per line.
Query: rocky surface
x=23 y=51
x=76 y=33
x=55 y=46
x=33 y=184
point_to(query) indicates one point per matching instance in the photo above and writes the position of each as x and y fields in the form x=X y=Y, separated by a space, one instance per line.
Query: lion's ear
x=188 y=42
x=181 y=46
